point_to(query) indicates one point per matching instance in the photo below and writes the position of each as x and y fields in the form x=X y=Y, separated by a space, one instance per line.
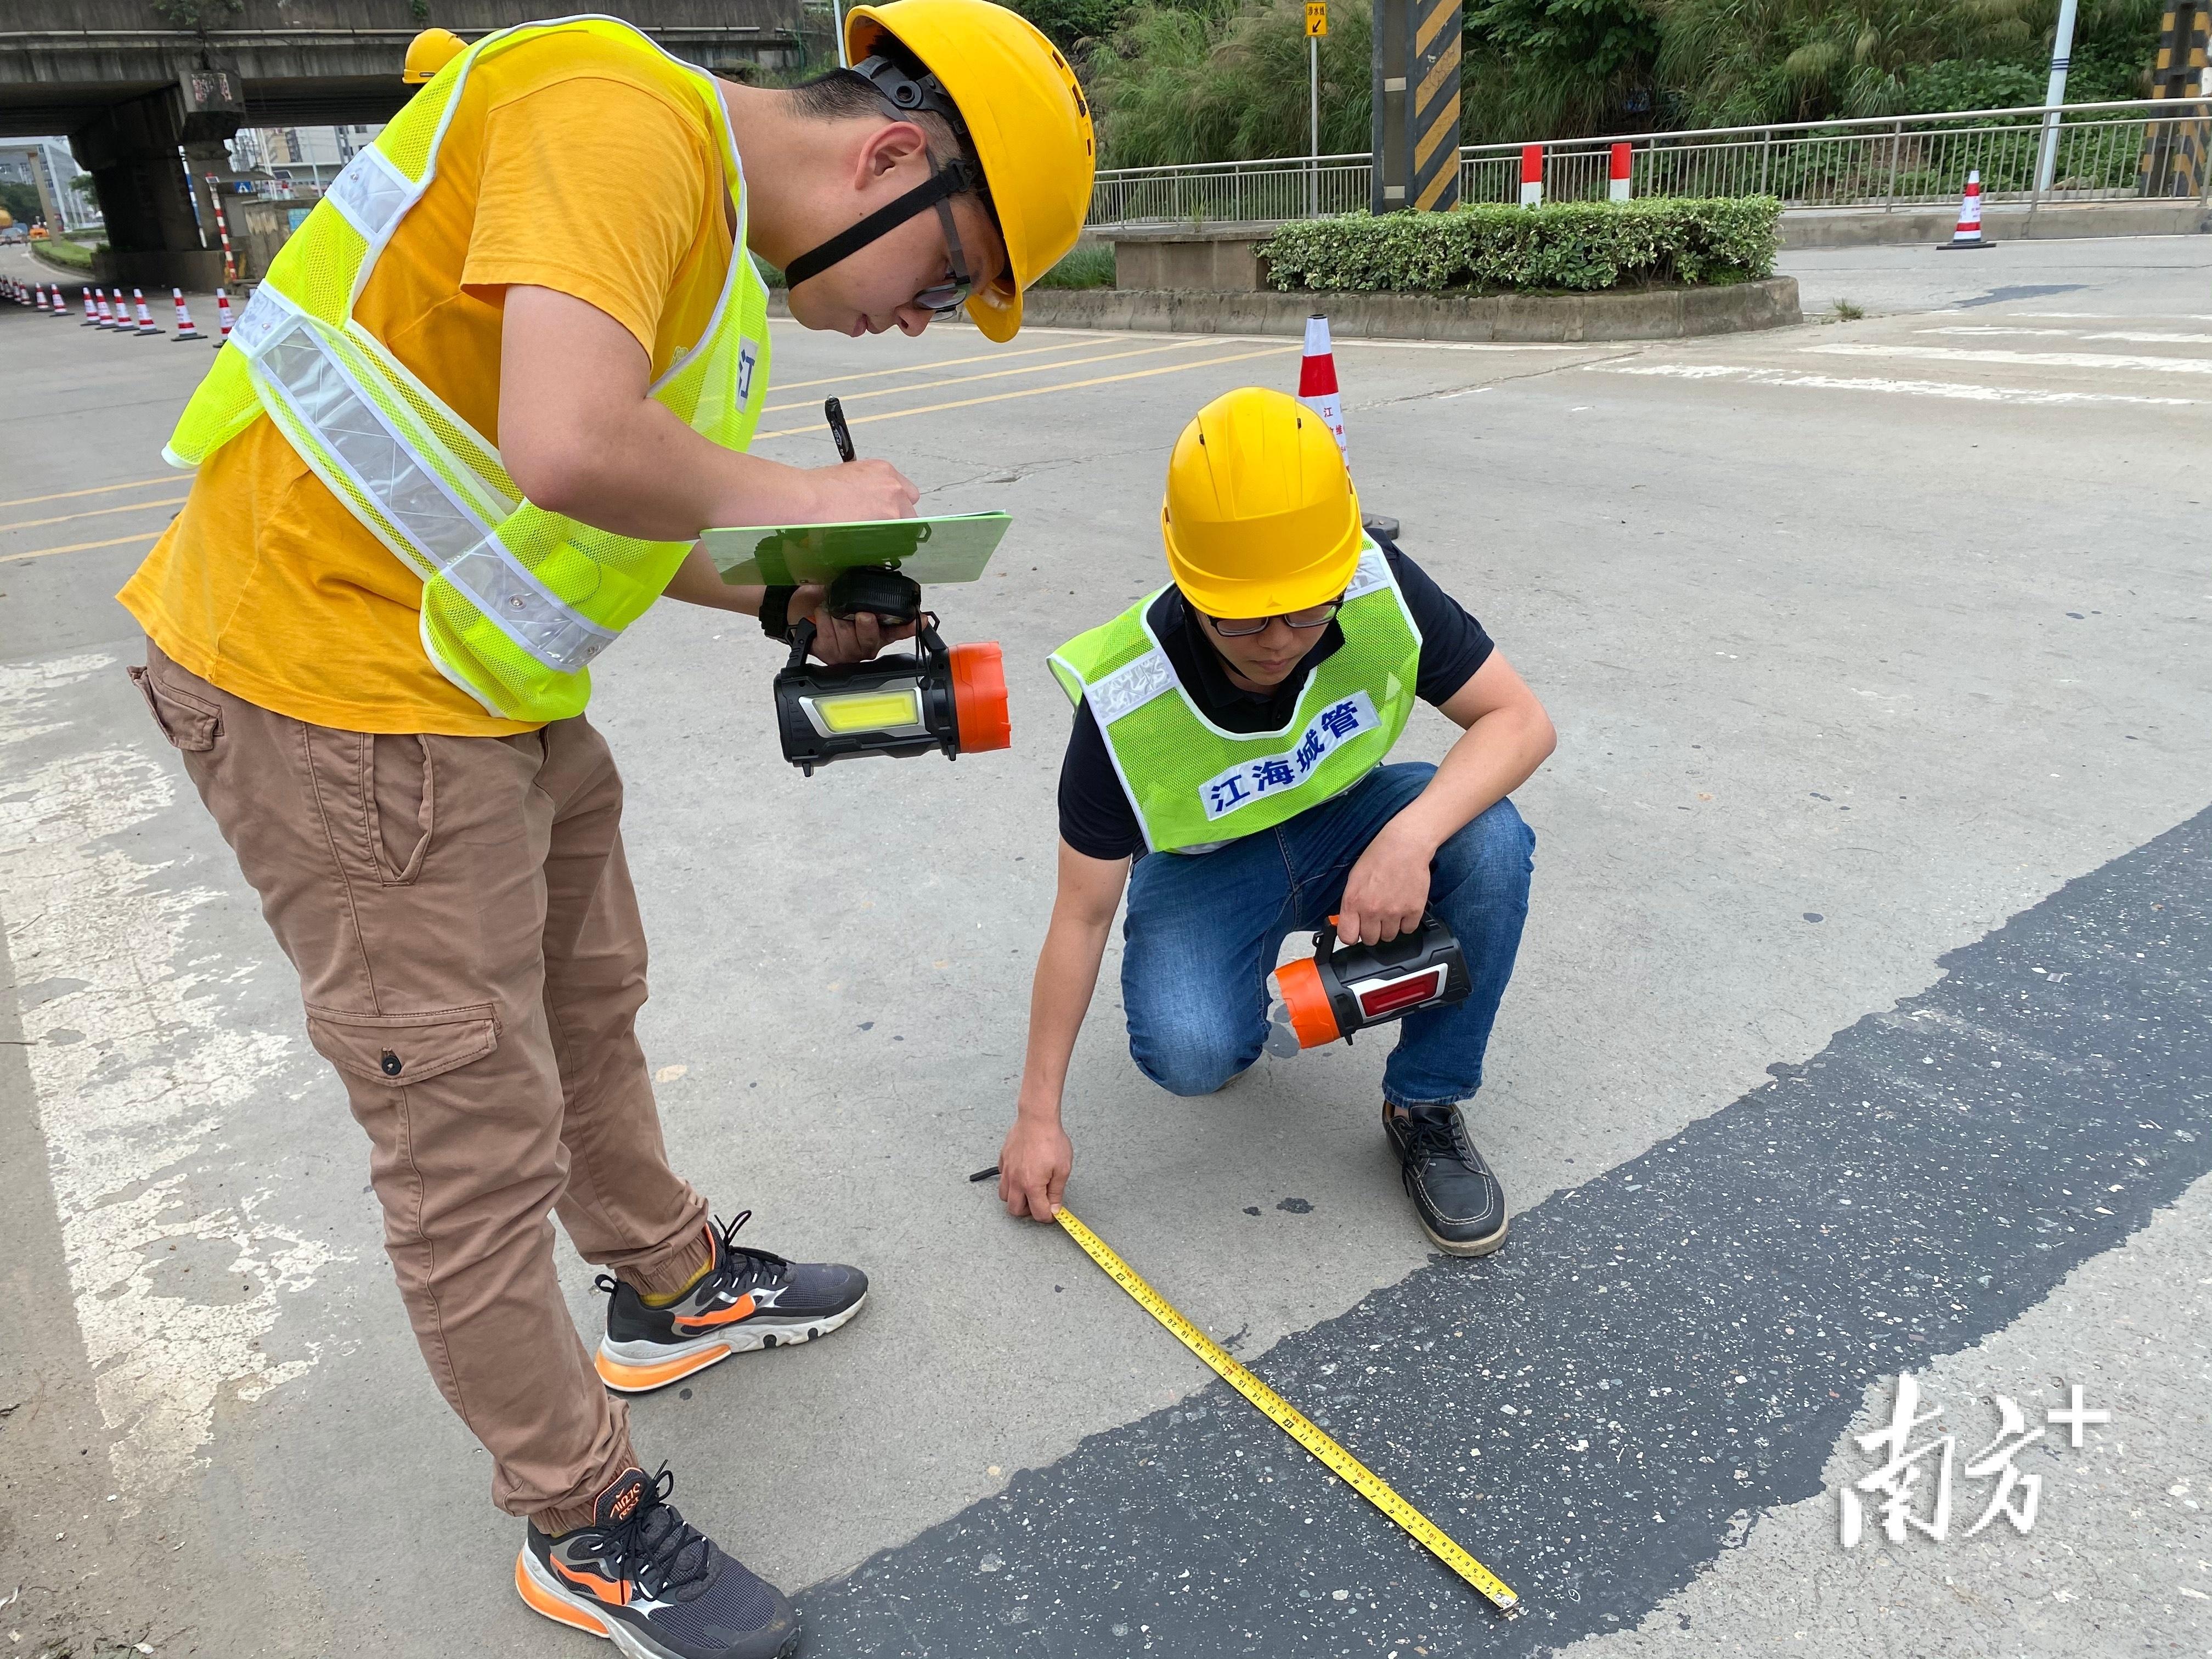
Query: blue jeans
x=1203 y=931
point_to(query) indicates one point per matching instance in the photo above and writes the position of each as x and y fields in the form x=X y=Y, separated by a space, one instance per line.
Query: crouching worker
x=1229 y=736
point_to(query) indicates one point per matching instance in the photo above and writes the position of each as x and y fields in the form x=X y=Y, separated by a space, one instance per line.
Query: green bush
x=76 y=255
x=1490 y=249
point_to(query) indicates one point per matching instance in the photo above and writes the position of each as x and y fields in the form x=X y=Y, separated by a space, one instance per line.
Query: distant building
x=305 y=155
x=46 y=165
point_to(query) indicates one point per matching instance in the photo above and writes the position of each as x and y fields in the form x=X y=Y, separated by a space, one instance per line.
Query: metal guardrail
x=2140 y=149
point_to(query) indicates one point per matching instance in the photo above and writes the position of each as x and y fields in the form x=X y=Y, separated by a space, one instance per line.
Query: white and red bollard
x=91 y=311
x=1618 y=178
x=106 y=315
x=222 y=229
x=185 y=329
x=146 y=323
x=222 y=316
x=1969 y=232
x=1317 y=378
x=1532 y=175
x=61 y=302
x=41 y=302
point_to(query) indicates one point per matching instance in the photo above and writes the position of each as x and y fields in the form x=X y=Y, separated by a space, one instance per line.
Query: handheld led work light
x=1343 y=988
x=950 y=699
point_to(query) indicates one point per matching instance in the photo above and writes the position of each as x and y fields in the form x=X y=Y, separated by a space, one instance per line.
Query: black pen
x=834 y=412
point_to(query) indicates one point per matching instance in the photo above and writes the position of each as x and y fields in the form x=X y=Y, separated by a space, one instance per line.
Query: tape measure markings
x=1294 y=1423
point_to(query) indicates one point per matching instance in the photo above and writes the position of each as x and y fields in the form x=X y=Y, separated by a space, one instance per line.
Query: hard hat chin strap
x=946 y=182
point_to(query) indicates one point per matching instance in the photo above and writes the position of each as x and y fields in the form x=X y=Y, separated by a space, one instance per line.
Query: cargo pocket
x=396 y=1050
x=189 y=722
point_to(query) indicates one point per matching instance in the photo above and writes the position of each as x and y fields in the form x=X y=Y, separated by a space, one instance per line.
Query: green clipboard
x=931 y=551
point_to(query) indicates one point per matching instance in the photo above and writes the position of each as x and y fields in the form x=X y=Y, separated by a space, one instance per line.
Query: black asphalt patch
x=1997 y=297
x=1655 y=1358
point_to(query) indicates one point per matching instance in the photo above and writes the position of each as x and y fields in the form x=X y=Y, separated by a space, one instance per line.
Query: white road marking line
x=133 y=1071
x=2154 y=338
x=1961 y=391
x=2026 y=358
x=1985 y=330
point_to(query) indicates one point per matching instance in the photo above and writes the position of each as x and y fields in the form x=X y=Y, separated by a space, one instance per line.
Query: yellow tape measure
x=1292 y=1422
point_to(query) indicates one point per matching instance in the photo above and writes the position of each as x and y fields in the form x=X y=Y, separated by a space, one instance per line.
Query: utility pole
x=2061 y=51
x=1416 y=104
x=1317 y=27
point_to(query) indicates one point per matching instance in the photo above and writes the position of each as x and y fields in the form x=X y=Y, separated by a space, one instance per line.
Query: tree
x=1551 y=69
x=1749 y=61
x=1069 y=23
x=1175 y=84
x=22 y=202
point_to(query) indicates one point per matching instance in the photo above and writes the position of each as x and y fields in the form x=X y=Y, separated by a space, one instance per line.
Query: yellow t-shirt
x=570 y=163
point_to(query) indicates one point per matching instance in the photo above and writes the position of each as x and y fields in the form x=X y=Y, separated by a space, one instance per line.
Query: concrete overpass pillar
x=131 y=149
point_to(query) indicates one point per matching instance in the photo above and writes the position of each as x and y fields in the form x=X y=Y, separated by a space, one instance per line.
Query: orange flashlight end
x=1303 y=995
x=979 y=698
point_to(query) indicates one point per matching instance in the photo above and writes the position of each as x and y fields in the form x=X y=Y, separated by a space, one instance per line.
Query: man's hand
x=866 y=489
x=837 y=640
x=1033 y=1167
x=1387 y=891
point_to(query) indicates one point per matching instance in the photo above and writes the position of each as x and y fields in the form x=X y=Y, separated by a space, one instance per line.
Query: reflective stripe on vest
x=1193 y=786
x=517 y=602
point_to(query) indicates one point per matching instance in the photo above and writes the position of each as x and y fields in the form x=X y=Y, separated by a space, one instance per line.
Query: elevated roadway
x=147 y=106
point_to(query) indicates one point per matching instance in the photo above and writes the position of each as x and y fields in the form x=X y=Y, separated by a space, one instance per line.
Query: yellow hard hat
x=1260 y=515
x=1026 y=116
x=430 y=51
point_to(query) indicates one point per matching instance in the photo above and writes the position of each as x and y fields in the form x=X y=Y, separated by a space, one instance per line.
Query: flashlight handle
x=834 y=412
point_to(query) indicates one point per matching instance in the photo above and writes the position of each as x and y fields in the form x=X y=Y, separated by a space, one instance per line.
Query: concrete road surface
x=1860 y=1029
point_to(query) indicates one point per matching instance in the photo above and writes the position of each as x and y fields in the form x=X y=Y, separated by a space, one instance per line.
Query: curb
x=1656 y=314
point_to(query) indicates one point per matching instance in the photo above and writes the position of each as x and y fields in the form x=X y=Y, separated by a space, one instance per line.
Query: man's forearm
x=580 y=434
x=697 y=581
x=1492 y=758
x=1067 y=975
x=644 y=472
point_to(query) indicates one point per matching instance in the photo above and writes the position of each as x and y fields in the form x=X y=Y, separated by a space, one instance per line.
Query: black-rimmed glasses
x=943 y=298
x=1315 y=616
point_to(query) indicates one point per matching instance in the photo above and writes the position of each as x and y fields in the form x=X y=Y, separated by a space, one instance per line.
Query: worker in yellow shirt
x=468 y=430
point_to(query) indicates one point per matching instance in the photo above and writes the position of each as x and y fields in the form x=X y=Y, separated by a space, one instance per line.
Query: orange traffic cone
x=1969 y=232
x=1317 y=378
x=145 y=317
x=222 y=315
x=185 y=329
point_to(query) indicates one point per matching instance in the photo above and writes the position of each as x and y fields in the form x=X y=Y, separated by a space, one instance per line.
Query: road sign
x=1316 y=17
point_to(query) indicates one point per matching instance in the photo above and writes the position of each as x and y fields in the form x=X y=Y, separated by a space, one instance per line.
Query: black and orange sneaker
x=660 y=1588
x=746 y=1299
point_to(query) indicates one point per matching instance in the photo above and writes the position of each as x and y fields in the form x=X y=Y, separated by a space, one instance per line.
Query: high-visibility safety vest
x=1195 y=786
x=516 y=601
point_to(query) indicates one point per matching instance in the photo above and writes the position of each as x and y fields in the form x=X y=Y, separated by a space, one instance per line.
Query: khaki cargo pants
x=469 y=947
